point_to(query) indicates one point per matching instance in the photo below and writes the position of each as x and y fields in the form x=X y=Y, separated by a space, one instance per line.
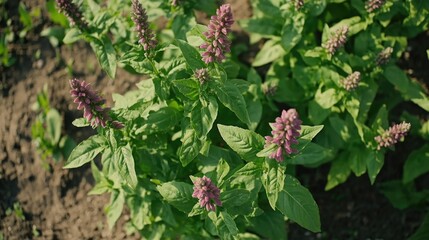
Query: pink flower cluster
x=384 y=56
x=202 y=75
x=337 y=40
x=73 y=13
x=285 y=133
x=373 y=5
x=217 y=40
x=351 y=81
x=92 y=105
x=145 y=35
x=207 y=193
x=394 y=134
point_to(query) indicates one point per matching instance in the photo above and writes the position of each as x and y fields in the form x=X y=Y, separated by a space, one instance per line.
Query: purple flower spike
x=202 y=75
x=373 y=5
x=285 y=133
x=337 y=40
x=395 y=133
x=351 y=82
x=144 y=33
x=92 y=105
x=217 y=40
x=73 y=13
x=207 y=193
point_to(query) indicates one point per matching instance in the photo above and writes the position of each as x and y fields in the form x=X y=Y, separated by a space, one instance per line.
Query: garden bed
x=55 y=202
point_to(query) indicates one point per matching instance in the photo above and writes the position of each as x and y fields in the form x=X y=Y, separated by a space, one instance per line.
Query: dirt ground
x=55 y=203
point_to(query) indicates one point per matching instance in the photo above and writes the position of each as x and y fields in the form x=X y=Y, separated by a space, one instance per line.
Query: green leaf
x=67 y=144
x=263 y=26
x=55 y=16
x=338 y=173
x=340 y=127
x=227 y=227
x=203 y=116
x=306 y=135
x=316 y=113
x=72 y=35
x=255 y=109
x=297 y=203
x=105 y=54
x=403 y=196
x=229 y=95
x=86 y=151
x=357 y=160
x=192 y=56
x=114 y=209
x=408 y=89
x=178 y=194
x=267 y=225
x=359 y=102
x=222 y=170
x=328 y=98
x=313 y=154
x=24 y=16
x=80 y=122
x=234 y=198
x=273 y=179
x=244 y=142
x=188 y=87
x=196 y=36
x=55 y=34
x=416 y=164
x=124 y=160
x=423 y=231
x=54 y=122
x=93 y=6
x=272 y=50
x=374 y=163
x=380 y=121
x=208 y=7
x=291 y=32
x=181 y=25
x=316 y=7
x=247 y=176
x=190 y=148
x=196 y=210
x=160 y=121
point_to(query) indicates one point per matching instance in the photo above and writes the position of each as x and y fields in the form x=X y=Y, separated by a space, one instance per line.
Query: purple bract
x=217 y=40
x=285 y=133
x=207 y=193
x=144 y=33
x=92 y=105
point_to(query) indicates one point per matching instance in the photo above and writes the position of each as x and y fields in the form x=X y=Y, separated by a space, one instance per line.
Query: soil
x=55 y=202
